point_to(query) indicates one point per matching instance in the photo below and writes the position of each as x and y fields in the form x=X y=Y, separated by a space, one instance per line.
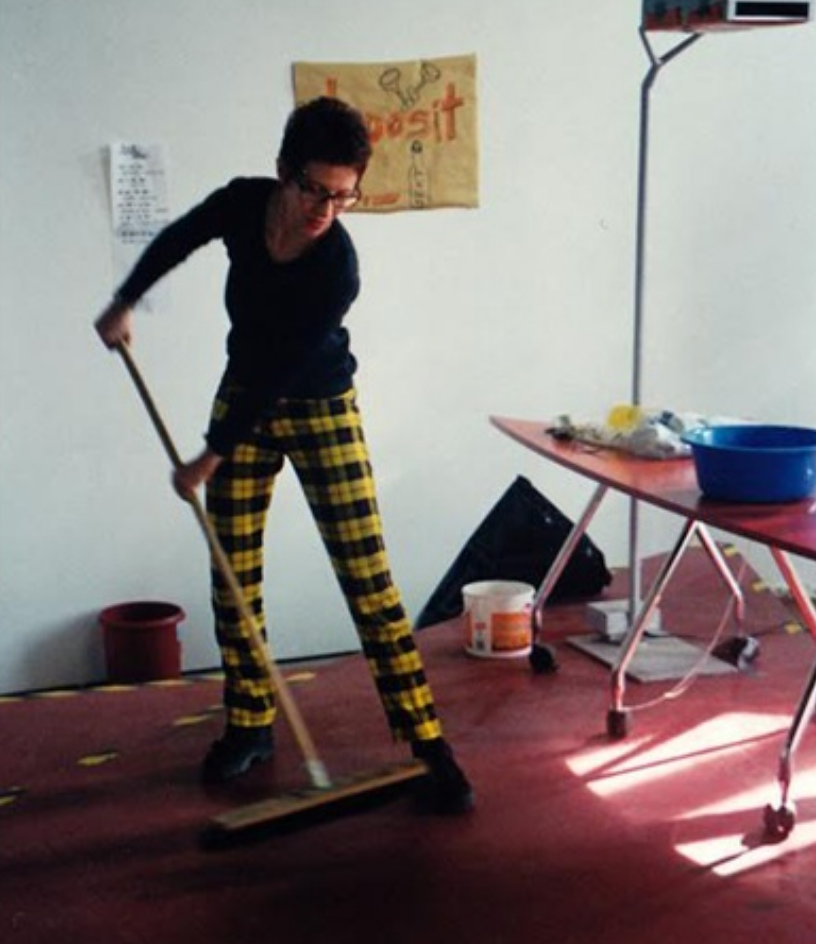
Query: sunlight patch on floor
x=622 y=765
x=613 y=769
x=731 y=853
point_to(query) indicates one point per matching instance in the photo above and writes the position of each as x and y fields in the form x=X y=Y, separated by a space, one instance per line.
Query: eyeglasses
x=315 y=194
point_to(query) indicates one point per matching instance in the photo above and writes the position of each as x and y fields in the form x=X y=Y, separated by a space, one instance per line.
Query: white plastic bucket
x=497 y=618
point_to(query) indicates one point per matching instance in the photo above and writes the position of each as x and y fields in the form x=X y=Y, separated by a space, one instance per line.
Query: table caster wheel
x=617 y=723
x=779 y=822
x=542 y=659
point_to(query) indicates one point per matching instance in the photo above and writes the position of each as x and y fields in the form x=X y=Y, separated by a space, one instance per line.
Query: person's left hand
x=115 y=324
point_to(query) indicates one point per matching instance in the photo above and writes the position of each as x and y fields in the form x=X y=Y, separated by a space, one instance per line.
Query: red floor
x=576 y=838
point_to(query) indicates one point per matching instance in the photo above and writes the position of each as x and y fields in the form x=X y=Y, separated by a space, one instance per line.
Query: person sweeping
x=287 y=393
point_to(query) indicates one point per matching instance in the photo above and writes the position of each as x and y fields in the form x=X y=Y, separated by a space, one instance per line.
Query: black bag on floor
x=518 y=540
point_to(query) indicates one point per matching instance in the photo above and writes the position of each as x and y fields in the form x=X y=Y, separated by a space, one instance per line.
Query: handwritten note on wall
x=422 y=116
x=139 y=207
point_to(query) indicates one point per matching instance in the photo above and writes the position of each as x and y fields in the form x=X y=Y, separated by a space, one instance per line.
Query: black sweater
x=286 y=338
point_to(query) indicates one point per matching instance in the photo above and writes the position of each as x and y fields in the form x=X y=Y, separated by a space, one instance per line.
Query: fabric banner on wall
x=422 y=118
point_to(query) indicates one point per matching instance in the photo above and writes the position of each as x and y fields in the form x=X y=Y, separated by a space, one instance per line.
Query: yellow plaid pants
x=323 y=440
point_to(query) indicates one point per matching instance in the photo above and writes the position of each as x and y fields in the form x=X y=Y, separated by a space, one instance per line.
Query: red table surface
x=672 y=484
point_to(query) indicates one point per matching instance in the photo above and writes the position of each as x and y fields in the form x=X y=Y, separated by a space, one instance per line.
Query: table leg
x=716 y=555
x=542 y=658
x=617 y=721
x=779 y=821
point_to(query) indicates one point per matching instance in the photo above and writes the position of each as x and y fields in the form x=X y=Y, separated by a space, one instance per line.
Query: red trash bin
x=141 y=641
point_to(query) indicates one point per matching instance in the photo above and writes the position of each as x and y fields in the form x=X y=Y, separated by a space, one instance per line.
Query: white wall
x=522 y=307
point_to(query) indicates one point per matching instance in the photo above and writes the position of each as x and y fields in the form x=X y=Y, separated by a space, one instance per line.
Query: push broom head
x=311 y=806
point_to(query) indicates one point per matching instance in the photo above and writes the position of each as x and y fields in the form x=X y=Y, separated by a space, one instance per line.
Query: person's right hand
x=115 y=324
x=189 y=475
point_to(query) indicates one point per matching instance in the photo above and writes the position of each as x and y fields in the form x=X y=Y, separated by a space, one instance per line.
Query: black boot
x=450 y=792
x=234 y=753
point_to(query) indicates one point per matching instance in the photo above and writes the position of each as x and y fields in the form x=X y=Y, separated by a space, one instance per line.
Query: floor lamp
x=693 y=19
x=656 y=64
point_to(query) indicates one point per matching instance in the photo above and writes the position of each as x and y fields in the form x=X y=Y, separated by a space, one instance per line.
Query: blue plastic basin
x=748 y=463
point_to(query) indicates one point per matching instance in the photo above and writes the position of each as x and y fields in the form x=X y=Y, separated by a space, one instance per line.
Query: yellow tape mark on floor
x=188 y=720
x=96 y=760
x=200 y=717
x=298 y=677
x=793 y=628
x=10 y=795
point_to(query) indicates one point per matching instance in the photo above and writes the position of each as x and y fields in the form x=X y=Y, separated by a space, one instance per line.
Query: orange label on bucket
x=510 y=630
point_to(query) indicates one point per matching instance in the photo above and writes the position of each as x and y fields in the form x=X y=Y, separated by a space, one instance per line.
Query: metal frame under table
x=671 y=484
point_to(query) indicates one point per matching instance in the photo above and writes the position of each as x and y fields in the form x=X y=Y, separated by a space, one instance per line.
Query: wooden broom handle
x=260 y=648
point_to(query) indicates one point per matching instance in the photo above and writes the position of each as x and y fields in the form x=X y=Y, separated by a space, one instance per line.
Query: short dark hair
x=326 y=130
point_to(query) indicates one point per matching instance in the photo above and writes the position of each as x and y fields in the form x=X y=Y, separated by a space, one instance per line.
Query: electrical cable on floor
x=685 y=683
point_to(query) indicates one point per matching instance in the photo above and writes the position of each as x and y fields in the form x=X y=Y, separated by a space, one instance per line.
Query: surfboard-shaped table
x=671 y=484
